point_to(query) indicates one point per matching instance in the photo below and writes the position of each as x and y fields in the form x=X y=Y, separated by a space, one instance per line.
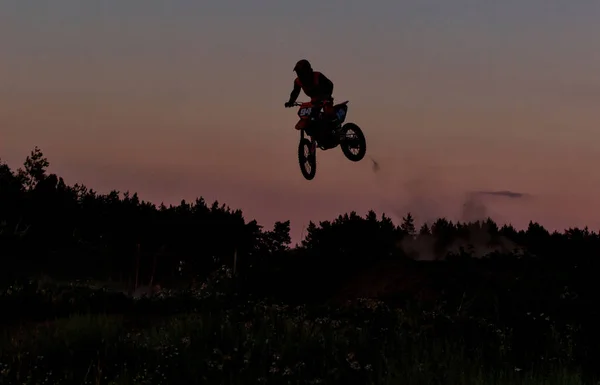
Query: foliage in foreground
x=218 y=339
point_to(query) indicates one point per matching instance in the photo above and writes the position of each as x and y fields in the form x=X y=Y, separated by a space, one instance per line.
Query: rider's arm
x=295 y=92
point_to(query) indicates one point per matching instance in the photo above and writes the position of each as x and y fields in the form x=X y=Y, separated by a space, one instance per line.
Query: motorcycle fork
x=313 y=142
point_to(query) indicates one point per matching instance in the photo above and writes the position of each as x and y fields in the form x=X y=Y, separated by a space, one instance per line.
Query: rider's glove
x=289 y=104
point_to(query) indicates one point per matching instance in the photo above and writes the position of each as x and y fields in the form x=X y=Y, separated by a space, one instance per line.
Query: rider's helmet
x=303 y=69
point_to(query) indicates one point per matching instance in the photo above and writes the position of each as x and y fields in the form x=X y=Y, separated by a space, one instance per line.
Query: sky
x=181 y=99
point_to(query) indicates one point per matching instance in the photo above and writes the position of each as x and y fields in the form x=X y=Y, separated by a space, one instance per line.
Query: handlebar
x=307 y=102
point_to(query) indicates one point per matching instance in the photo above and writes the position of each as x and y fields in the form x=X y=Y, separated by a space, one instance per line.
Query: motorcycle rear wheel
x=353 y=141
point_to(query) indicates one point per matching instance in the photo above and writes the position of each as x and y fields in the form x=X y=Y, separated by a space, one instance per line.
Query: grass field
x=202 y=337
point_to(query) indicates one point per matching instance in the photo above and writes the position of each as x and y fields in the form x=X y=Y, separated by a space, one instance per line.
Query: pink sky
x=175 y=108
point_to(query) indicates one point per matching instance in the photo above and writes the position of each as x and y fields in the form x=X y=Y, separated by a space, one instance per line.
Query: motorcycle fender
x=302 y=123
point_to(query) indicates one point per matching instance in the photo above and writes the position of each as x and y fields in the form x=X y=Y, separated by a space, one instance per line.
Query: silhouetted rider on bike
x=316 y=86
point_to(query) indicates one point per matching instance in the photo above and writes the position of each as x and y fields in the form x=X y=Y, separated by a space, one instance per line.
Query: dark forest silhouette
x=73 y=232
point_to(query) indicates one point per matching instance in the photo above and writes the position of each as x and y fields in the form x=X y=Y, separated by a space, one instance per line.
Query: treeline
x=69 y=232
x=73 y=232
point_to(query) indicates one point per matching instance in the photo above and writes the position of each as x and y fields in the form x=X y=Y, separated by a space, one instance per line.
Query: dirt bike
x=316 y=132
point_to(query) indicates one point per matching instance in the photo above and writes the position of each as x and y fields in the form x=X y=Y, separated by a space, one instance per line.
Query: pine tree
x=408 y=225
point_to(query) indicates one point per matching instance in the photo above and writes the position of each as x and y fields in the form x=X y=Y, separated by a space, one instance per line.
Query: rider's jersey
x=320 y=86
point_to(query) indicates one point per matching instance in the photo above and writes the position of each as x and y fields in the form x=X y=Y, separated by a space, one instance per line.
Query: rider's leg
x=328 y=109
x=316 y=108
x=326 y=104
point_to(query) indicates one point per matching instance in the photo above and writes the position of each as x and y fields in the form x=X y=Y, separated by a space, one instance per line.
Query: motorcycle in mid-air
x=315 y=131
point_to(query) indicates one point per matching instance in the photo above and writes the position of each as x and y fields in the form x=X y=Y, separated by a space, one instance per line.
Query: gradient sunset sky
x=180 y=99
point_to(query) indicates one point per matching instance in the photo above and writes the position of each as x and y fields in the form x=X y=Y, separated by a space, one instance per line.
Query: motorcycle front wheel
x=307 y=160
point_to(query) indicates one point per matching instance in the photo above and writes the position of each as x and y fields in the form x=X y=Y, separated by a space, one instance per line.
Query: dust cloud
x=424 y=202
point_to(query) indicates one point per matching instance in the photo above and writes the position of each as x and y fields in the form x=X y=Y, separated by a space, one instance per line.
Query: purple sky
x=182 y=99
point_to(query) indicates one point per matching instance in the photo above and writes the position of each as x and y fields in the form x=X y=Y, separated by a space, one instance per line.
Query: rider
x=315 y=85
